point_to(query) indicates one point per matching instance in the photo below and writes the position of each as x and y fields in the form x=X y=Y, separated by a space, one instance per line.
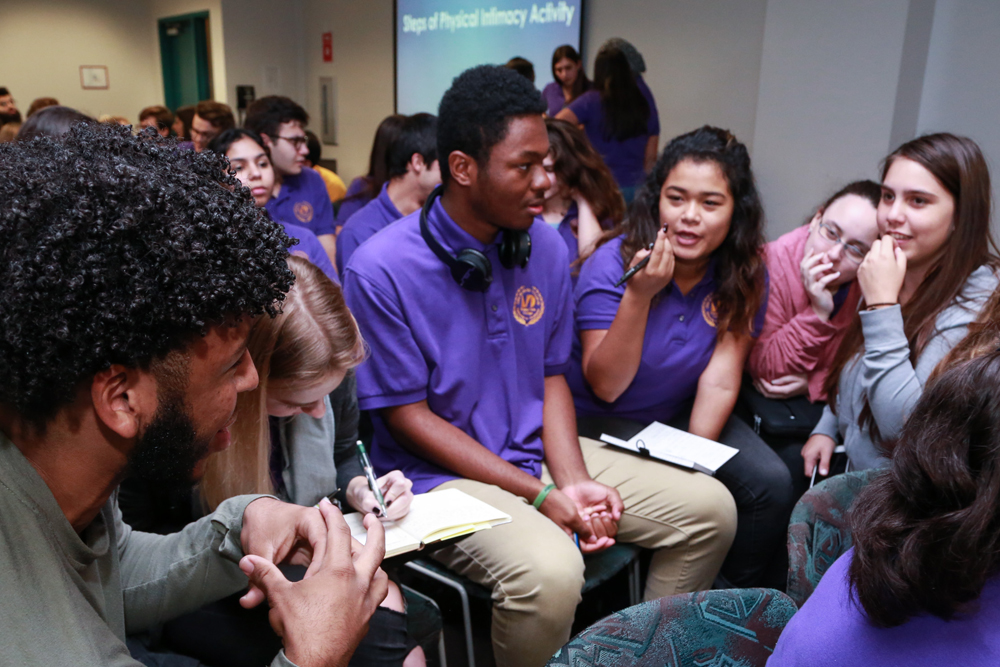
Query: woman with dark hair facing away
x=365 y=188
x=251 y=162
x=51 y=122
x=583 y=200
x=921 y=585
x=618 y=119
x=183 y=118
x=922 y=284
x=670 y=344
x=569 y=81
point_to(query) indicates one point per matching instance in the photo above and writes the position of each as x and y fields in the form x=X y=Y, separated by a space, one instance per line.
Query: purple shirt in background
x=479 y=359
x=626 y=159
x=375 y=216
x=831 y=630
x=353 y=200
x=186 y=145
x=314 y=250
x=555 y=98
x=565 y=229
x=304 y=201
x=679 y=342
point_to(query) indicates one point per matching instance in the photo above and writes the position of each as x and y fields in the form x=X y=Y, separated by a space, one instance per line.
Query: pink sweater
x=795 y=339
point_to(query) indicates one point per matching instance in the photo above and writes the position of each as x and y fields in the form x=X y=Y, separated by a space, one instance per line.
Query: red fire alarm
x=328 y=47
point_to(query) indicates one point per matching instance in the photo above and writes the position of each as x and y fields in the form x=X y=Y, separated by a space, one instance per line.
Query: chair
x=737 y=627
x=423 y=621
x=598 y=568
x=819 y=531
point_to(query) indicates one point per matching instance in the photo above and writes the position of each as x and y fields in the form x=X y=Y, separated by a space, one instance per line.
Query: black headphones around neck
x=473 y=270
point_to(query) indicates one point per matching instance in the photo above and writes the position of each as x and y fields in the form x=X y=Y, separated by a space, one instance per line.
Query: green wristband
x=542 y=495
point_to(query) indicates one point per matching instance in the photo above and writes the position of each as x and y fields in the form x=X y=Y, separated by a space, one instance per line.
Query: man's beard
x=10 y=118
x=167 y=452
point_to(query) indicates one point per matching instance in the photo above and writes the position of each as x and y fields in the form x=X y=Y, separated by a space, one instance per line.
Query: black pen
x=635 y=269
x=366 y=465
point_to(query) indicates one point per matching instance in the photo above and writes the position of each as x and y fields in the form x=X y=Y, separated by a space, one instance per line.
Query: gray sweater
x=885 y=374
x=69 y=599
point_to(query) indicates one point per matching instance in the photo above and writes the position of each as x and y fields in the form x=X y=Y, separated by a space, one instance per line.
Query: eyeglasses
x=855 y=252
x=298 y=142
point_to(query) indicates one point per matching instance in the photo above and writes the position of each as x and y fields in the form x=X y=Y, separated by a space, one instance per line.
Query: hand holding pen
x=651 y=269
x=389 y=496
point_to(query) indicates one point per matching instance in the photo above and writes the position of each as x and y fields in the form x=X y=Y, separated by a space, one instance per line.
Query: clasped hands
x=587 y=508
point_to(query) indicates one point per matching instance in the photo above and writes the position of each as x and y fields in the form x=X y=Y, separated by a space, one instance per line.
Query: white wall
x=702 y=58
x=44 y=44
x=828 y=81
x=265 y=48
x=961 y=92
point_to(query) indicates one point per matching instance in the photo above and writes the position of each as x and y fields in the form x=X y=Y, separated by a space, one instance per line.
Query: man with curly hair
x=130 y=274
x=467 y=309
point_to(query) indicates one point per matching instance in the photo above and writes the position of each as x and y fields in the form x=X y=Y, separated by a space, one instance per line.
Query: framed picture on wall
x=94 y=77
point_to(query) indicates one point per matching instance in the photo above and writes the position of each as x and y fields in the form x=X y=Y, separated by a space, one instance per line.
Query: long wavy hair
x=582 y=83
x=958 y=164
x=927 y=532
x=626 y=111
x=580 y=167
x=739 y=267
x=313 y=337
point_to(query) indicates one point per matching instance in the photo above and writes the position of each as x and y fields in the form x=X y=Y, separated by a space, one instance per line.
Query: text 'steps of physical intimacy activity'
x=550 y=12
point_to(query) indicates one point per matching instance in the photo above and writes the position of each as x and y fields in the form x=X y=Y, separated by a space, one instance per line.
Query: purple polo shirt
x=680 y=339
x=832 y=629
x=314 y=250
x=626 y=158
x=375 y=216
x=479 y=359
x=304 y=201
x=565 y=229
x=353 y=200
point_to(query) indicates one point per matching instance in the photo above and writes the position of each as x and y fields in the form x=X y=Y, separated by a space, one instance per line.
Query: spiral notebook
x=433 y=517
x=675 y=446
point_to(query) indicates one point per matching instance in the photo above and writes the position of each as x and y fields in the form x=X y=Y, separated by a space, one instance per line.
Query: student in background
x=583 y=200
x=41 y=103
x=635 y=62
x=157 y=117
x=922 y=284
x=921 y=586
x=619 y=119
x=569 y=79
x=334 y=184
x=294 y=437
x=300 y=195
x=413 y=173
x=51 y=122
x=182 y=122
x=365 y=188
x=523 y=67
x=250 y=160
x=8 y=132
x=8 y=108
x=811 y=300
x=209 y=121
x=466 y=381
x=670 y=344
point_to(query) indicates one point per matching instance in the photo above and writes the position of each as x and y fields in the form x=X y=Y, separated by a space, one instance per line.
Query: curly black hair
x=475 y=112
x=117 y=249
x=265 y=116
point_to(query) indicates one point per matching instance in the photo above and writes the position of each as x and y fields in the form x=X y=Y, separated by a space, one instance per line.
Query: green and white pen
x=370 y=476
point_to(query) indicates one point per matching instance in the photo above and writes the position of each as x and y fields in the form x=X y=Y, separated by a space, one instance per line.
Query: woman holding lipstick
x=922 y=283
x=670 y=344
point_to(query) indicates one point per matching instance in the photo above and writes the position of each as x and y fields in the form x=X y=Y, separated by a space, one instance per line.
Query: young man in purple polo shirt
x=468 y=390
x=300 y=195
x=413 y=173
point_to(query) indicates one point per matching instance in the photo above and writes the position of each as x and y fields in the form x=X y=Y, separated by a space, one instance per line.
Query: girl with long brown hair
x=670 y=345
x=922 y=284
x=583 y=201
x=569 y=81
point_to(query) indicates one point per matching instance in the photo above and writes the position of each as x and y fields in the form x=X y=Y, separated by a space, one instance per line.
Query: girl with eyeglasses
x=922 y=283
x=812 y=298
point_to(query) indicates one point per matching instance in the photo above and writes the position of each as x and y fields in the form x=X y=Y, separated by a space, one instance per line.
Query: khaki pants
x=536 y=572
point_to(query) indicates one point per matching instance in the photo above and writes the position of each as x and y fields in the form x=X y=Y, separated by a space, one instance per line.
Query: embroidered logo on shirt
x=528 y=305
x=709 y=312
x=304 y=211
